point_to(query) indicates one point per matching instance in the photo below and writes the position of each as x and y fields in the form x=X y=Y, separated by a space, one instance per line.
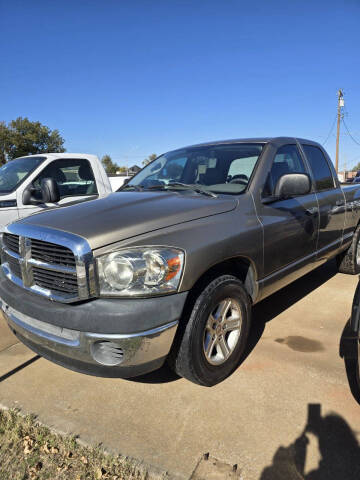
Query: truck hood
x=126 y=214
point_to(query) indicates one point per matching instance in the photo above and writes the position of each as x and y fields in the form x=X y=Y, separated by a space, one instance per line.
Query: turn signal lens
x=174 y=266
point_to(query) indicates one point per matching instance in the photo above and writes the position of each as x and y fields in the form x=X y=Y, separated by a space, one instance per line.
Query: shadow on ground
x=337 y=446
x=280 y=301
x=18 y=368
x=162 y=375
x=263 y=312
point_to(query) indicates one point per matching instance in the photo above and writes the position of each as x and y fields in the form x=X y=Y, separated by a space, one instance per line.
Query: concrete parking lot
x=292 y=380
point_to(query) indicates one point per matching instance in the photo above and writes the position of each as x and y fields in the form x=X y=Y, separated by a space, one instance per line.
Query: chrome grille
x=55 y=281
x=52 y=253
x=11 y=242
x=13 y=263
x=44 y=261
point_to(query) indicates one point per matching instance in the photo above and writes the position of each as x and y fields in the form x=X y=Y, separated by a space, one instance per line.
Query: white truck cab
x=78 y=176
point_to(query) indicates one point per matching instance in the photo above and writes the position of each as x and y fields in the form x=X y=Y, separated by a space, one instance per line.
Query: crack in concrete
x=8 y=347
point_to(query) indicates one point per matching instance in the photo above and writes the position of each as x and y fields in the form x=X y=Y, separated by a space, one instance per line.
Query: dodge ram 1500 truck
x=170 y=266
x=78 y=177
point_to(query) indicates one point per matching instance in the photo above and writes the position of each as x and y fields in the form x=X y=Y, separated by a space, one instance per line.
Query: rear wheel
x=349 y=261
x=358 y=363
x=352 y=365
x=215 y=336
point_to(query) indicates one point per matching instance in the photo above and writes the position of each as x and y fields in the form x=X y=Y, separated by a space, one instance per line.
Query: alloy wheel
x=222 y=331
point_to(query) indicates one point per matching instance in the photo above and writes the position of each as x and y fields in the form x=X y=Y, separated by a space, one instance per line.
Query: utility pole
x=340 y=105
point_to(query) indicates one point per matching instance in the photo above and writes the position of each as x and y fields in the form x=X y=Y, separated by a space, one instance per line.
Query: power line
x=348 y=131
x=330 y=132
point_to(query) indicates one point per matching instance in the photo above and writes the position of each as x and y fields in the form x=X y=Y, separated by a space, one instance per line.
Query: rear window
x=320 y=168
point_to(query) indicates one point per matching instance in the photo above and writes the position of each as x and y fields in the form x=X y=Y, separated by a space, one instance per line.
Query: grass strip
x=30 y=451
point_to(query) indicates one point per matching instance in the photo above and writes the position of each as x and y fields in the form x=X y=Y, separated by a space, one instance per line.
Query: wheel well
x=240 y=267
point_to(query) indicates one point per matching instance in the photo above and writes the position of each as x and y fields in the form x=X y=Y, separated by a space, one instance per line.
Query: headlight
x=140 y=272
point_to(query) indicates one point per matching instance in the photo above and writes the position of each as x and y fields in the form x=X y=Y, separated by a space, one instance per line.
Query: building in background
x=133 y=170
x=129 y=172
x=346 y=177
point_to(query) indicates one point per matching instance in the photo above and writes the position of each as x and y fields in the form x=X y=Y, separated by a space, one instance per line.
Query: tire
x=347 y=261
x=358 y=371
x=352 y=366
x=207 y=350
x=357 y=367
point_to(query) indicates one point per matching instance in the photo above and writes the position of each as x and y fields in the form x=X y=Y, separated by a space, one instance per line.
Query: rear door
x=330 y=199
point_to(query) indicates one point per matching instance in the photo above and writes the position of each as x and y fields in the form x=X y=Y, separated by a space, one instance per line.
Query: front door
x=8 y=212
x=290 y=225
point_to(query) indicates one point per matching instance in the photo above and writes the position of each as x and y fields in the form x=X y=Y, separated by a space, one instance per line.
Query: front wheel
x=215 y=336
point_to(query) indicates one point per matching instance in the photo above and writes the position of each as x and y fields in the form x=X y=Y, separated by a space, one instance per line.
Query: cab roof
x=274 y=140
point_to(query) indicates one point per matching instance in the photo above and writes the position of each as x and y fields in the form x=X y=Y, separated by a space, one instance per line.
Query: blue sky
x=130 y=78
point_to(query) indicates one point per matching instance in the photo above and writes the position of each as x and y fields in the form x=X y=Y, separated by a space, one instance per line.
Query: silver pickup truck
x=170 y=266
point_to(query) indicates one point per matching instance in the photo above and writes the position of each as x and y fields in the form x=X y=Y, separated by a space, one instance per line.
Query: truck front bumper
x=92 y=349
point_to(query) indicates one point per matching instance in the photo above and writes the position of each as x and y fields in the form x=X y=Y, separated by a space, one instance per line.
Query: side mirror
x=292 y=185
x=127 y=180
x=50 y=190
x=49 y=193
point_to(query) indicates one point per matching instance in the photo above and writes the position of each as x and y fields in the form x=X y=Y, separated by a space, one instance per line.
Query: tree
x=22 y=137
x=149 y=159
x=110 y=167
x=356 y=168
x=4 y=142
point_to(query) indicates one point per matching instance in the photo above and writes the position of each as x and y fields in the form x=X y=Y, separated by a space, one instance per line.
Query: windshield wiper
x=137 y=188
x=195 y=188
x=184 y=186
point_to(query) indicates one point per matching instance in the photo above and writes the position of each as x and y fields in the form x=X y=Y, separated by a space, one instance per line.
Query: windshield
x=215 y=168
x=15 y=171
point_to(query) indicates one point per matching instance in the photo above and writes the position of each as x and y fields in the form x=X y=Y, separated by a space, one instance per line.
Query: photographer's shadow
x=338 y=448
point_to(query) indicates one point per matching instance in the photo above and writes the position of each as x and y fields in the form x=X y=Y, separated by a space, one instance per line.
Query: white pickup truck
x=79 y=177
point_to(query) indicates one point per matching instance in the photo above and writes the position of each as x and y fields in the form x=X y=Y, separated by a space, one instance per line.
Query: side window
x=287 y=160
x=74 y=177
x=320 y=168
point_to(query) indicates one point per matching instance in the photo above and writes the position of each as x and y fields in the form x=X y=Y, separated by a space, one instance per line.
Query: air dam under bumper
x=93 y=350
